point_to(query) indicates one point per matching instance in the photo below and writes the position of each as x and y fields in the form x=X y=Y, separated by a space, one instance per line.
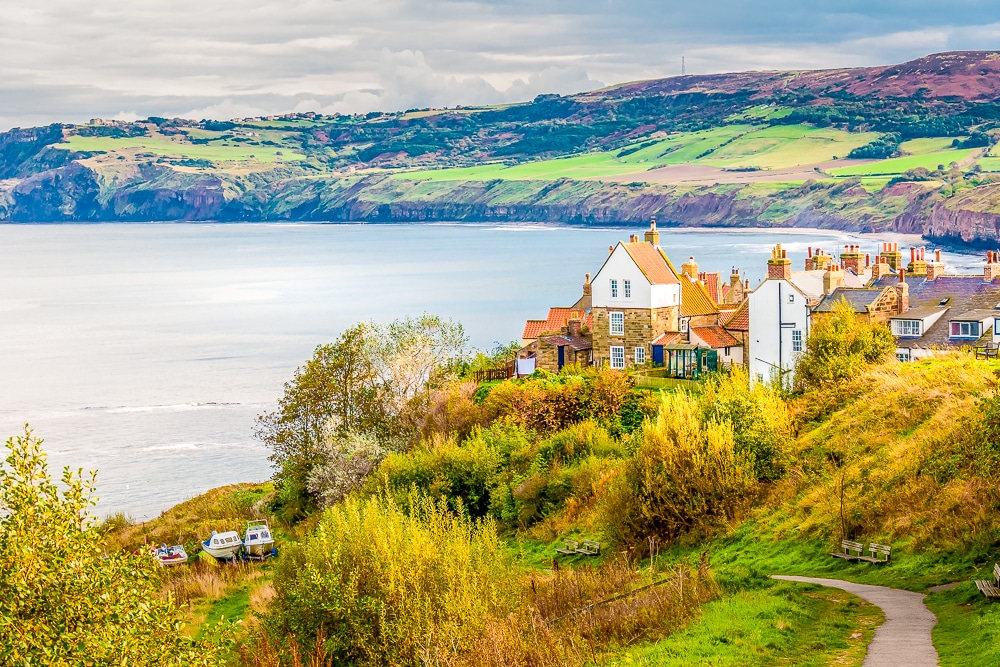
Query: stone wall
x=642 y=325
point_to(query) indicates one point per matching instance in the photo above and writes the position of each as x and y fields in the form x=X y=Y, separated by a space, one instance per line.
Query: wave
x=178 y=407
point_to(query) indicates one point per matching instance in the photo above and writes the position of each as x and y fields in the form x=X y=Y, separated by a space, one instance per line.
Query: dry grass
x=224 y=508
x=899 y=441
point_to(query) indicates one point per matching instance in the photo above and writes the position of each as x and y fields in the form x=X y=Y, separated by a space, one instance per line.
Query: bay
x=146 y=350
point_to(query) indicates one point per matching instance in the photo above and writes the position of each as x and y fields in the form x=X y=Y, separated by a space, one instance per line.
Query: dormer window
x=614 y=288
x=965 y=330
x=906 y=327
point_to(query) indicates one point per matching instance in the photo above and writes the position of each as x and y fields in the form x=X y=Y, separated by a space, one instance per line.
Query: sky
x=69 y=61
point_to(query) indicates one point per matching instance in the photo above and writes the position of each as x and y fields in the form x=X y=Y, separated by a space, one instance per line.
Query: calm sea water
x=145 y=351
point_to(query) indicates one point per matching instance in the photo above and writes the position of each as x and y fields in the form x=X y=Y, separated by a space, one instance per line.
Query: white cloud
x=63 y=60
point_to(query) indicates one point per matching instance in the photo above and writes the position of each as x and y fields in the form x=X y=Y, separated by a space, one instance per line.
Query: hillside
x=910 y=147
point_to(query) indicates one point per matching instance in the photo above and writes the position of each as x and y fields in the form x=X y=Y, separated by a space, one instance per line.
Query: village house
x=939 y=312
x=639 y=310
x=780 y=309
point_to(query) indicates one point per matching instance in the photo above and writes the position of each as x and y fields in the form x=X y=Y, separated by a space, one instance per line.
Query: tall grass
x=376 y=585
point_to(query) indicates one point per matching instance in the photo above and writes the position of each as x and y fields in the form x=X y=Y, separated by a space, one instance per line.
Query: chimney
x=992 y=268
x=573 y=327
x=586 y=285
x=690 y=268
x=890 y=251
x=833 y=278
x=868 y=260
x=779 y=267
x=902 y=293
x=611 y=249
x=850 y=259
x=917 y=265
x=652 y=236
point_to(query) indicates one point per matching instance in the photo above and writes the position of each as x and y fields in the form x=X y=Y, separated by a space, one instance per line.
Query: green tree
x=66 y=602
x=840 y=345
x=358 y=386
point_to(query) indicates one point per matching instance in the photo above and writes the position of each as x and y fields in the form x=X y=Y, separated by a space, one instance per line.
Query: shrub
x=381 y=586
x=346 y=464
x=840 y=346
x=758 y=416
x=685 y=476
x=65 y=602
x=460 y=474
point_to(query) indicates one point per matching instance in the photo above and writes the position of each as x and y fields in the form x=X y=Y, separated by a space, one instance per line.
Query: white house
x=780 y=313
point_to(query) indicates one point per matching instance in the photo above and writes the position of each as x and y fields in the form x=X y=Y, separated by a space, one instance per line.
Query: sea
x=146 y=351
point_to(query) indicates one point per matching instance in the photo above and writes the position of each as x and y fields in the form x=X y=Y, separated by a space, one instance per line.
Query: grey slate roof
x=858 y=298
x=964 y=294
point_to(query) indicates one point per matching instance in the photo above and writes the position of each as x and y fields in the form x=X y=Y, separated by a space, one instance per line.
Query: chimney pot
x=810 y=251
x=868 y=260
x=937 y=255
x=913 y=254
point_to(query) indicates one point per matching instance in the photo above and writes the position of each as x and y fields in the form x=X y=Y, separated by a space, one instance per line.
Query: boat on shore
x=170 y=556
x=258 y=542
x=223 y=546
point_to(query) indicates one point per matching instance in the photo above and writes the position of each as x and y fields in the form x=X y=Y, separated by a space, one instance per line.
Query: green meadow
x=900 y=165
x=216 y=151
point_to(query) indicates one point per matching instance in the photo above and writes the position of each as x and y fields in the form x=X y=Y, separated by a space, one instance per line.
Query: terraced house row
x=639 y=310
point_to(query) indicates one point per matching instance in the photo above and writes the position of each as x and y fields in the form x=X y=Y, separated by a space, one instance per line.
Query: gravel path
x=905 y=637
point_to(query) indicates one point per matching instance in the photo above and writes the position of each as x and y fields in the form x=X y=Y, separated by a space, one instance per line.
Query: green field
x=900 y=165
x=784 y=146
x=990 y=163
x=926 y=145
x=729 y=146
x=221 y=151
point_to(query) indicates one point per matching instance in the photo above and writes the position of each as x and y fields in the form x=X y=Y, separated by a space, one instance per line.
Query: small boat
x=258 y=543
x=168 y=556
x=223 y=546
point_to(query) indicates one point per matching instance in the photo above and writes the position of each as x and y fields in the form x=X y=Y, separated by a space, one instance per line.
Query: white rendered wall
x=621 y=267
x=770 y=343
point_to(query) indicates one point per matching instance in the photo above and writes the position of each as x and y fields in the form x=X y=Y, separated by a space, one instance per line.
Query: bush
x=686 y=476
x=66 y=602
x=381 y=586
x=758 y=416
x=460 y=474
x=841 y=345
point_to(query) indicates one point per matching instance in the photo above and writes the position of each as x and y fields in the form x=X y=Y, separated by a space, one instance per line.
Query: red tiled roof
x=558 y=317
x=714 y=336
x=652 y=262
x=740 y=319
x=534 y=329
x=668 y=338
x=711 y=281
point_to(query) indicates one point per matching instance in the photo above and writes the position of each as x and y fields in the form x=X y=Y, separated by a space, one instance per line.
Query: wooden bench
x=988 y=351
x=571 y=548
x=848 y=546
x=590 y=548
x=991 y=589
x=880 y=553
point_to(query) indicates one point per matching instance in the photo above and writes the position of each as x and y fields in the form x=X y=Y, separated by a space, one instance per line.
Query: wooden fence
x=494 y=374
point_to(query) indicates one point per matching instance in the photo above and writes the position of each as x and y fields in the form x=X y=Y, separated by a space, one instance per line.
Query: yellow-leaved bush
x=686 y=475
x=66 y=602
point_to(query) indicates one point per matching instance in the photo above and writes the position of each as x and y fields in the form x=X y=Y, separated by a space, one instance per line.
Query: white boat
x=223 y=546
x=258 y=542
x=168 y=556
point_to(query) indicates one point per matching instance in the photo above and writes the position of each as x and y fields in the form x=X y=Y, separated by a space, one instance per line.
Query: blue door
x=658 y=355
x=562 y=356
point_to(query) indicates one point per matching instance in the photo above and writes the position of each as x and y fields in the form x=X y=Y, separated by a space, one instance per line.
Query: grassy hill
x=902 y=454
x=698 y=145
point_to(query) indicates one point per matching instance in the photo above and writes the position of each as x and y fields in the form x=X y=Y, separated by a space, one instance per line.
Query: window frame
x=907 y=328
x=972 y=327
x=684 y=325
x=619 y=317
x=616 y=358
x=614 y=288
x=798 y=343
x=639 y=355
x=627 y=288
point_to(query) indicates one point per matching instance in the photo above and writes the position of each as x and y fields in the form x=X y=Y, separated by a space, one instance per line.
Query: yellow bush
x=686 y=475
